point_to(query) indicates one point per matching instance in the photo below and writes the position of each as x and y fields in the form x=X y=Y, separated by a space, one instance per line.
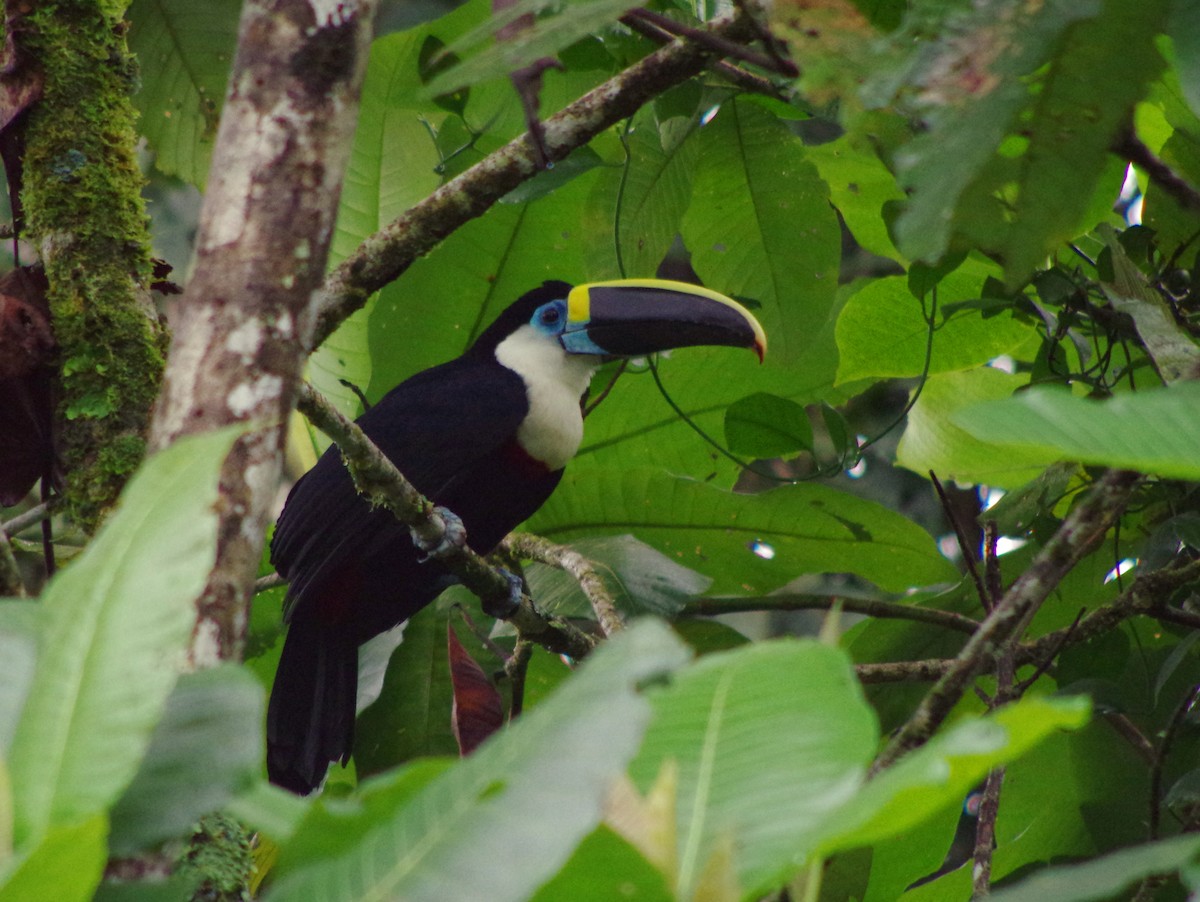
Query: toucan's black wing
x=334 y=548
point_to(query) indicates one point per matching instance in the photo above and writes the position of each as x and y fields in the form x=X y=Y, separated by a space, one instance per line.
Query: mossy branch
x=376 y=477
x=84 y=211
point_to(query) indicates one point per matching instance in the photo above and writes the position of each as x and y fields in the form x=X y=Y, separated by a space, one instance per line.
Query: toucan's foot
x=454 y=536
x=503 y=608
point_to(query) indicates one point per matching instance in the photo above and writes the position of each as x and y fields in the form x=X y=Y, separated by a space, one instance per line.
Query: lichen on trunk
x=85 y=214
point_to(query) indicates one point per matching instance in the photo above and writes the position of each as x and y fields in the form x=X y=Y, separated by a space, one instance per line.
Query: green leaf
x=411 y=717
x=184 y=50
x=760 y=225
x=935 y=440
x=115 y=627
x=1154 y=431
x=1095 y=78
x=643 y=201
x=641 y=579
x=812 y=529
x=546 y=36
x=1184 y=29
x=207 y=746
x=65 y=864
x=973 y=84
x=859 y=186
x=605 y=867
x=525 y=798
x=942 y=771
x=722 y=719
x=764 y=425
x=1172 y=349
x=19 y=623
x=1105 y=877
x=882 y=331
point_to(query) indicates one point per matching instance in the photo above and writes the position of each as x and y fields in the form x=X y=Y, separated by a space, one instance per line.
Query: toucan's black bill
x=634 y=317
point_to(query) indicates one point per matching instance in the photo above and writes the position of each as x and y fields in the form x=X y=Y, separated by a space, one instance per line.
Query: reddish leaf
x=478 y=711
x=27 y=350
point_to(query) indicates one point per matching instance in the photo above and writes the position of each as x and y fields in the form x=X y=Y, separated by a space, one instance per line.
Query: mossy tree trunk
x=84 y=212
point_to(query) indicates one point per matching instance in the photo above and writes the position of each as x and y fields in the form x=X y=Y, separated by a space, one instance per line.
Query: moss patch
x=84 y=209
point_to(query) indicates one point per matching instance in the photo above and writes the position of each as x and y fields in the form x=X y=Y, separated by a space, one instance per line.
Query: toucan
x=485 y=436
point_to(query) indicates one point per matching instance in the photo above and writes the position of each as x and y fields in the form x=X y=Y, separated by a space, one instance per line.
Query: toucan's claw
x=503 y=608
x=454 y=536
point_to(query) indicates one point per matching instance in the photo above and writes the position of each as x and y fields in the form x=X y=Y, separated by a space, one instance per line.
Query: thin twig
x=713 y=42
x=985 y=834
x=11 y=583
x=1078 y=534
x=1129 y=146
x=37 y=514
x=968 y=553
x=515 y=669
x=787 y=601
x=581 y=570
x=1160 y=759
x=736 y=75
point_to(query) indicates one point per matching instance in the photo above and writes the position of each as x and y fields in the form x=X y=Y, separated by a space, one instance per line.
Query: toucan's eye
x=550 y=315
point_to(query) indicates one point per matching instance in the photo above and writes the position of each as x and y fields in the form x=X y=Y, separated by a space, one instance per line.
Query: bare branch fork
x=1147 y=596
x=376 y=477
x=1080 y=531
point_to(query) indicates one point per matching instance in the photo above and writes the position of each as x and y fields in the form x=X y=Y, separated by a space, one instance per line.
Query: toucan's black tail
x=310 y=719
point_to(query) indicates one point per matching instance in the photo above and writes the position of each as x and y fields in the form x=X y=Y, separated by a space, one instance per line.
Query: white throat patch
x=554 y=381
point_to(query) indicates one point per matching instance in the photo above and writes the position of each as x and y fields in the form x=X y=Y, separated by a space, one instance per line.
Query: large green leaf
x=208 y=745
x=19 y=624
x=1184 y=29
x=66 y=864
x=1155 y=431
x=411 y=717
x=935 y=440
x=1107 y=877
x=392 y=165
x=185 y=50
x=1095 y=77
x=604 y=868
x=882 y=330
x=811 y=528
x=641 y=579
x=943 y=770
x=521 y=803
x=543 y=37
x=859 y=186
x=760 y=225
x=116 y=624
x=728 y=724
x=971 y=85
x=642 y=201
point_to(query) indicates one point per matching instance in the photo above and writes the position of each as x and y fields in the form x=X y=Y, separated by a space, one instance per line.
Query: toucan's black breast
x=452 y=431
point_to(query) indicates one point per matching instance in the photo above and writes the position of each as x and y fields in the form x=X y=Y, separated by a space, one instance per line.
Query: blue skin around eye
x=552 y=320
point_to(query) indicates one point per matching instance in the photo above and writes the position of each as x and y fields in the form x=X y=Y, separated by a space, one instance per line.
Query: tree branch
x=1147 y=596
x=243 y=324
x=377 y=477
x=1129 y=146
x=789 y=601
x=1083 y=528
x=579 y=567
x=384 y=256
